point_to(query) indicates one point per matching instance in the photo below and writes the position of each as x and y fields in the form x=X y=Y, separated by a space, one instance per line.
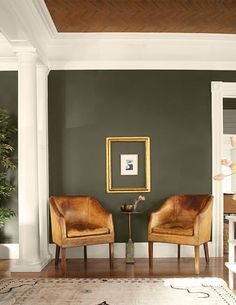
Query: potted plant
x=131 y=207
x=7 y=131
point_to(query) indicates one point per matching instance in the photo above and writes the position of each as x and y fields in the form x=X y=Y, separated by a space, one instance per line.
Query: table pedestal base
x=129 y=251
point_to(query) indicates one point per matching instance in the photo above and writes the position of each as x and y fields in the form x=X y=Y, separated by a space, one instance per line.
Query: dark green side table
x=129 y=248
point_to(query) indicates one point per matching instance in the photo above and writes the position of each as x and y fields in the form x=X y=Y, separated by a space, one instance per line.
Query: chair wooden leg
x=196 y=251
x=178 y=251
x=150 y=253
x=85 y=253
x=111 y=254
x=63 y=260
x=57 y=255
x=206 y=252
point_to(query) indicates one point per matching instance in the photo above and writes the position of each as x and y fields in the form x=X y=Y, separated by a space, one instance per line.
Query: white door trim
x=219 y=91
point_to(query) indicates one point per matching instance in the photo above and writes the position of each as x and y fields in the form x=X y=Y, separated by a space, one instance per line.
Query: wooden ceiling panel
x=183 y=16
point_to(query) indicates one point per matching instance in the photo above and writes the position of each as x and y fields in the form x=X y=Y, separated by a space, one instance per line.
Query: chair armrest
x=164 y=214
x=58 y=225
x=202 y=224
x=110 y=224
x=103 y=219
x=99 y=216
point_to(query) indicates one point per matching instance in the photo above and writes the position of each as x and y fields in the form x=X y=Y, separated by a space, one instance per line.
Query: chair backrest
x=77 y=209
x=187 y=207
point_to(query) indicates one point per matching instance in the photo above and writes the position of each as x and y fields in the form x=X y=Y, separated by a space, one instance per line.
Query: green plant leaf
x=7 y=132
x=5 y=214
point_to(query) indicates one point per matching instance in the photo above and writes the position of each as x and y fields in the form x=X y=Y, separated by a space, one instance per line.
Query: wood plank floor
x=99 y=268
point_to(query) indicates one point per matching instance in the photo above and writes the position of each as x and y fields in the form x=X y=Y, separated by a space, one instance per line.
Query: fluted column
x=28 y=194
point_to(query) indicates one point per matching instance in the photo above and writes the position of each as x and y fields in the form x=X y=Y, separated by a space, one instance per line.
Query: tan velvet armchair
x=79 y=221
x=182 y=220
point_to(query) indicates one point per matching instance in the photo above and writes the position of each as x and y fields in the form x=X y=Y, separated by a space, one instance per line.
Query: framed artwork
x=128 y=164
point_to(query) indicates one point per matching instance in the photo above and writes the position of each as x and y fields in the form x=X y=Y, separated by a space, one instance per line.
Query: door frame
x=219 y=91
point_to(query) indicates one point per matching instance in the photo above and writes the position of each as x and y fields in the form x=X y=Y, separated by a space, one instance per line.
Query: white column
x=43 y=170
x=28 y=203
x=217 y=148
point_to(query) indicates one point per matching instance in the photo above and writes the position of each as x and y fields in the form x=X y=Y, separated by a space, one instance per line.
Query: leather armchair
x=182 y=219
x=79 y=221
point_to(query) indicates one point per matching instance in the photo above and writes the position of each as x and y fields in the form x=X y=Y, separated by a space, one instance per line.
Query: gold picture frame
x=147 y=185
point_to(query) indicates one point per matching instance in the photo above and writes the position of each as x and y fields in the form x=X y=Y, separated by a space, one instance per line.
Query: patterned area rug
x=65 y=291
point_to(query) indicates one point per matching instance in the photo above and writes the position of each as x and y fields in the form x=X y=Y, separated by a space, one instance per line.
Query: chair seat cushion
x=175 y=228
x=78 y=230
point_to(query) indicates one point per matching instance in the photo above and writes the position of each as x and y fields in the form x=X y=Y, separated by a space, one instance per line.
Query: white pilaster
x=217 y=147
x=28 y=200
x=43 y=170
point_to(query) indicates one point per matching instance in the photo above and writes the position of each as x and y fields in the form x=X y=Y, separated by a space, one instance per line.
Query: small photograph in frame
x=129 y=164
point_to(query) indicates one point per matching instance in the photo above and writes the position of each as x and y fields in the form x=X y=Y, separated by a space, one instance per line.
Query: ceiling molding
x=141 y=65
x=8 y=64
x=5 y=47
x=141 y=36
x=183 y=51
x=114 y=50
x=26 y=26
x=45 y=17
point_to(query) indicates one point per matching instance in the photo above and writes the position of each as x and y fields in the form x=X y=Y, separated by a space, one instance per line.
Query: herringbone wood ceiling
x=184 y=16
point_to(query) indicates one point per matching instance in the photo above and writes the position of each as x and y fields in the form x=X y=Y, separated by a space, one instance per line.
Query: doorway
x=220 y=91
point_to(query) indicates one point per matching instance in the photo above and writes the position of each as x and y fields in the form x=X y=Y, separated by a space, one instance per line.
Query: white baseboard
x=18 y=266
x=11 y=251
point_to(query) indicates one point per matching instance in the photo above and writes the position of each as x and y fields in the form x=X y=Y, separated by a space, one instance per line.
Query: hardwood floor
x=100 y=268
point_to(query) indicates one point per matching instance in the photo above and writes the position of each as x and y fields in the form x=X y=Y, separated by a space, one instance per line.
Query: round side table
x=129 y=248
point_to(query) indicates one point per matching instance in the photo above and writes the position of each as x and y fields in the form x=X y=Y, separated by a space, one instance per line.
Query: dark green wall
x=172 y=107
x=8 y=100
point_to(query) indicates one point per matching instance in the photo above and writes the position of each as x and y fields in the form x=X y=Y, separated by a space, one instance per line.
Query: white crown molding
x=26 y=26
x=9 y=22
x=115 y=50
x=45 y=17
x=5 y=47
x=142 y=51
x=140 y=65
x=8 y=64
x=23 y=48
x=143 y=36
